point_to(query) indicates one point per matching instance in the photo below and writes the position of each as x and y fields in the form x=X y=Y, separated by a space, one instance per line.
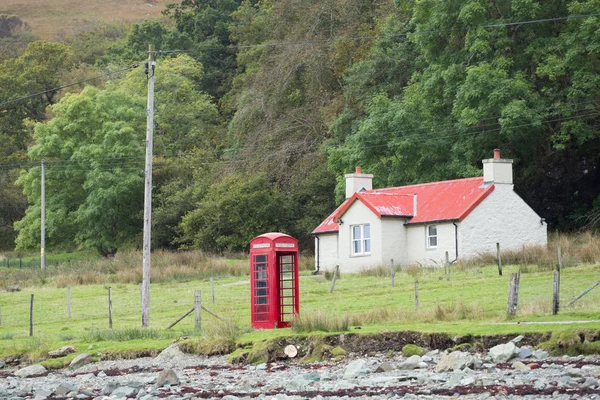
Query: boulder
x=123 y=392
x=14 y=288
x=519 y=366
x=384 y=367
x=169 y=355
x=356 y=368
x=411 y=362
x=166 y=377
x=503 y=352
x=32 y=370
x=65 y=388
x=525 y=352
x=42 y=394
x=81 y=360
x=63 y=351
x=457 y=360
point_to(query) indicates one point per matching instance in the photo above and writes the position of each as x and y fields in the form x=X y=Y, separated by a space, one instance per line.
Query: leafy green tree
x=233 y=211
x=94 y=188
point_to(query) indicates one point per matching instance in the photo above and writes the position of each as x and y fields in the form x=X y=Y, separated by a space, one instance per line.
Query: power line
x=66 y=86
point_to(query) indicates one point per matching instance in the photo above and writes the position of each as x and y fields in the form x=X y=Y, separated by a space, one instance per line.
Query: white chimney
x=497 y=170
x=358 y=181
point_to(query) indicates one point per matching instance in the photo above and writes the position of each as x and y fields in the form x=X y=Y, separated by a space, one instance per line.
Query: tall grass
x=320 y=321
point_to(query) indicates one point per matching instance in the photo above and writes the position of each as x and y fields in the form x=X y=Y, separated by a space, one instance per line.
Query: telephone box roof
x=435 y=202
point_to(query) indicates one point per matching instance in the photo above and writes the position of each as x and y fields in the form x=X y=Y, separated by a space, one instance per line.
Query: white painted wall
x=393 y=236
x=418 y=252
x=503 y=217
x=327 y=246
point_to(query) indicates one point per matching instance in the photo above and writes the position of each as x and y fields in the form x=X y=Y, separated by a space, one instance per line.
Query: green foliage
x=412 y=350
x=124 y=335
x=232 y=212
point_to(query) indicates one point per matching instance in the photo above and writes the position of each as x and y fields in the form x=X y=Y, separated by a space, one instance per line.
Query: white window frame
x=429 y=236
x=363 y=241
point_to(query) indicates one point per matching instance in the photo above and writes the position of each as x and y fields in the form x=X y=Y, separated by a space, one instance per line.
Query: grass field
x=473 y=301
x=60 y=19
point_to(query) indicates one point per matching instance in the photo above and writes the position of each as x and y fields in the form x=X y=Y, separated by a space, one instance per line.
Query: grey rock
x=81 y=360
x=517 y=339
x=422 y=365
x=456 y=360
x=503 y=352
x=42 y=394
x=539 y=384
x=123 y=392
x=14 y=288
x=525 y=352
x=299 y=383
x=261 y=367
x=32 y=370
x=384 y=367
x=169 y=355
x=2 y=364
x=82 y=396
x=411 y=362
x=540 y=354
x=589 y=382
x=426 y=358
x=63 y=351
x=356 y=368
x=133 y=384
x=230 y=397
x=65 y=388
x=166 y=377
x=468 y=380
x=519 y=366
x=110 y=387
x=313 y=376
x=150 y=397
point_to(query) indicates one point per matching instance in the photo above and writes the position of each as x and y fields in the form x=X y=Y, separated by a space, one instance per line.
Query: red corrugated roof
x=436 y=201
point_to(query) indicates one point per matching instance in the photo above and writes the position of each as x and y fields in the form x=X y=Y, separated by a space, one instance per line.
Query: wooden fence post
x=556 y=293
x=31 y=316
x=7 y=262
x=586 y=291
x=197 y=308
x=212 y=289
x=109 y=308
x=69 y=301
x=335 y=274
x=447 y=264
x=416 y=295
x=392 y=271
x=20 y=262
x=560 y=264
x=499 y=259
x=513 y=293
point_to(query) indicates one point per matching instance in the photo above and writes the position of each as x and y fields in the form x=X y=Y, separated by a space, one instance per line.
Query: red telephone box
x=274 y=290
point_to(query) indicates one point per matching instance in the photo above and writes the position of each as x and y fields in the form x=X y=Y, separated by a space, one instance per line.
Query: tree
x=94 y=148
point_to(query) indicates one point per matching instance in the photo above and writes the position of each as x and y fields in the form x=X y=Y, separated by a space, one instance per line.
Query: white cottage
x=418 y=224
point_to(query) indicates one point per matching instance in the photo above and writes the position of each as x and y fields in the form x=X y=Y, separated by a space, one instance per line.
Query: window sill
x=361 y=255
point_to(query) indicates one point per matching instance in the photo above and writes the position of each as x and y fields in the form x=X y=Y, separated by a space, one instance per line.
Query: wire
x=66 y=86
x=353 y=38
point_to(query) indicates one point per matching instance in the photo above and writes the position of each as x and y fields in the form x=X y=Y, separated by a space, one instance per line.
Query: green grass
x=472 y=302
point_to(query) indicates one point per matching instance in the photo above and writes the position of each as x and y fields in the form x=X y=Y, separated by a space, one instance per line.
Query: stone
x=533 y=365
x=503 y=352
x=540 y=354
x=384 y=367
x=589 y=382
x=411 y=362
x=313 y=376
x=356 y=368
x=14 y=288
x=519 y=366
x=123 y=392
x=42 y=394
x=63 y=351
x=166 y=377
x=169 y=355
x=32 y=370
x=2 y=364
x=81 y=360
x=65 y=388
x=525 y=352
x=456 y=360
x=110 y=387
x=426 y=358
x=517 y=339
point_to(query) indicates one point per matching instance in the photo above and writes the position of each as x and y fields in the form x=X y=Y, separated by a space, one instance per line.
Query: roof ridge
x=426 y=184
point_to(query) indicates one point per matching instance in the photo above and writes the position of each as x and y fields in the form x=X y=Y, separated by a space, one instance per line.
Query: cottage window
x=361 y=239
x=432 y=238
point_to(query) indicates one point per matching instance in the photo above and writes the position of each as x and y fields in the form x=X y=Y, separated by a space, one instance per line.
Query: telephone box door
x=287 y=267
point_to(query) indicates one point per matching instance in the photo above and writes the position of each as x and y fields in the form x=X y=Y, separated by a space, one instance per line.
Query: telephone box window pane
x=260 y=259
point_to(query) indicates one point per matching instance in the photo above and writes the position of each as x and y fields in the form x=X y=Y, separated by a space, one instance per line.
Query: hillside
x=59 y=19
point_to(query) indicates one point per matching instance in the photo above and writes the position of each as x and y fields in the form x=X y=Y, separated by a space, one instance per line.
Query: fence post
x=197 y=308
x=7 y=262
x=109 y=308
x=513 y=293
x=335 y=274
x=69 y=301
x=447 y=264
x=392 y=271
x=499 y=259
x=556 y=292
x=31 y=316
x=0 y=316
x=560 y=264
x=417 y=295
x=20 y=262
x=212 y=289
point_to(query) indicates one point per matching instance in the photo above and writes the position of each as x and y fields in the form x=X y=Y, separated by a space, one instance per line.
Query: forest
x=261 y=107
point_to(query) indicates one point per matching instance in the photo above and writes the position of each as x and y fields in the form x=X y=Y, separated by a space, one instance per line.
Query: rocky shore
x=506 y=371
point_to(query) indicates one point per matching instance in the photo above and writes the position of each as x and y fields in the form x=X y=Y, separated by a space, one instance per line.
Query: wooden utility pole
x=149 y=69
x=43 y=219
